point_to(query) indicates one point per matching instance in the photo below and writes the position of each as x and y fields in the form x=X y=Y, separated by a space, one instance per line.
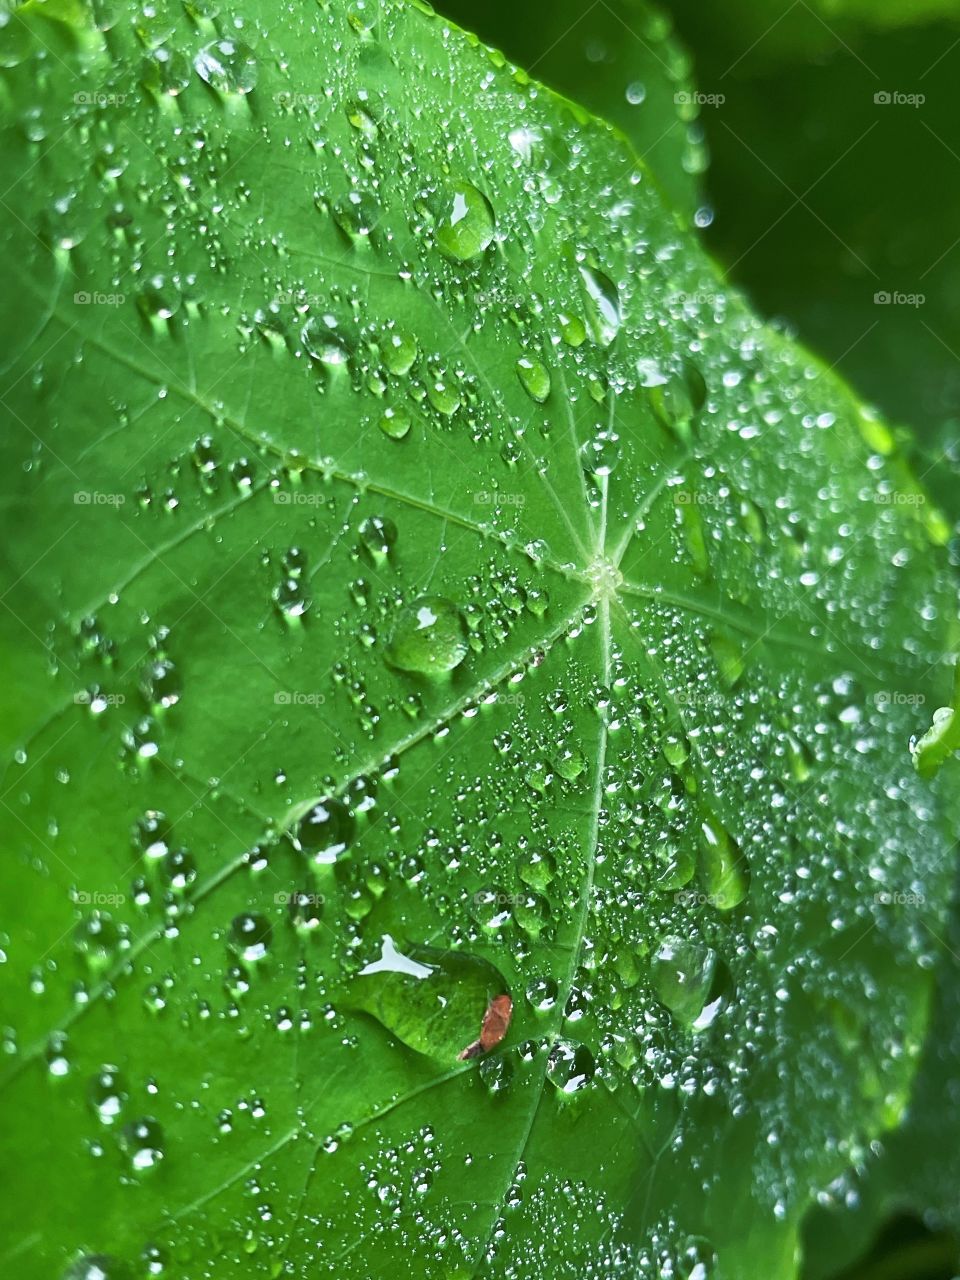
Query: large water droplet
x=723 y=868
x=396 y=423
x=432 y=1000
x=229 y=66
x=571 y=1066
x=107 y=1094
x=466 y=225
x=250 y=936
x=535 y=377
x=602 y=305
x=682 y=974
x=326 y=832
x=429 y=637
x=142 y=1140
x=677 y=401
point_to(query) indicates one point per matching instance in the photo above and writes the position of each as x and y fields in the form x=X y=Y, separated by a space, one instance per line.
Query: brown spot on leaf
x=495 y=1023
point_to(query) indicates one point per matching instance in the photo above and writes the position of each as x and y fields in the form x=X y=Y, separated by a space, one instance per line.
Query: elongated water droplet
x=677 y=401
x=602 y=305
x=682 y=975
x=723 y=868
x=466 y=225
x=535 y=378
x=571 y=1066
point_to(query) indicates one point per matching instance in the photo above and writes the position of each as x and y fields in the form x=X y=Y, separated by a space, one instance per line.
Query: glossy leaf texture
x=416 y=596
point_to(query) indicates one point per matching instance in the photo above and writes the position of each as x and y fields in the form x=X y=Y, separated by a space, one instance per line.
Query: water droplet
x=677 y=401
x=399 y=351
x=323 y=341
x=444 y=397
x=97 y=939
x=250 y=936
x=466 y=225
x=601 y=454
x=378 y=535
x=433 y=1000
x=395 y=423
x=429 y=637
x=159 y=299
x=571 y=1066
x=723 y=868
x=107 y=1094
x=682 y=975
x=142 y=1140
x=326 y=832
x=602 y=305
x=229 y=66
x=535 y=378
x=357 y=215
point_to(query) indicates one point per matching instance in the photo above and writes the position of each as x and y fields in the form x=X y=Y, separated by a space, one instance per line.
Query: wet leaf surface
x=325 y=625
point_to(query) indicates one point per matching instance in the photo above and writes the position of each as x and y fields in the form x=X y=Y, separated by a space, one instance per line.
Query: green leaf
x=398 y=546
x=942 y=739
x=621 y=60
x=914 y=1170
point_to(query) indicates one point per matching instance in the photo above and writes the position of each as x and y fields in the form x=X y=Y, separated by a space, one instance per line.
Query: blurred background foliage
x=817 y=145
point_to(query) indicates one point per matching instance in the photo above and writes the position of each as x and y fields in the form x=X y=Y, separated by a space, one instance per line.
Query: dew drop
x=465 y=228
x=228 y=66
x=142 y=1140
x=602 y=306
x=570 y=1066
x=250 y=936
x=678 y=399
x=395 y=423
x=429 y=637
x=534 y=377
x=378 y=535
x=682 y=974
